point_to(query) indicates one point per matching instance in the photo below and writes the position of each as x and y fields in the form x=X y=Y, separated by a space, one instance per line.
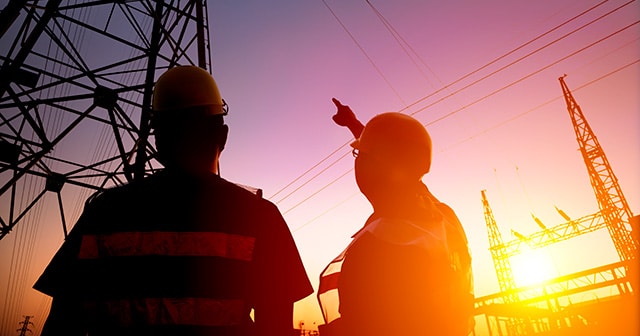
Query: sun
x=532 y=267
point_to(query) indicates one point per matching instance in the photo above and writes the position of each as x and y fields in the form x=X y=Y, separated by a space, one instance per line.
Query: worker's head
x=393 y=151
x=188 y=119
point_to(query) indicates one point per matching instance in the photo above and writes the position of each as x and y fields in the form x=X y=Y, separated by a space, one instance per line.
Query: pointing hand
x=344 y=116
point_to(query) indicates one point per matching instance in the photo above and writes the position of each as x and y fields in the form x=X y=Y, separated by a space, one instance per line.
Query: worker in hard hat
x=408 y=270
x=183 y=251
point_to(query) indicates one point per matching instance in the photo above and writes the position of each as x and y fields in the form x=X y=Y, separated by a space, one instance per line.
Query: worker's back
x=174 y=256
x=407 y=282
x=388 y=289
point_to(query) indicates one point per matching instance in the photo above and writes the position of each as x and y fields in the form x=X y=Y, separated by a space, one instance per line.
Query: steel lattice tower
x=612 y=203
x=501 y=263
x=75 y=70
x=614 y=214
x=496 y=246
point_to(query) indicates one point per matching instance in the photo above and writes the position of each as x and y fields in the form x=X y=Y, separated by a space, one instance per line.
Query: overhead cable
x=467 y=76
x=505 y=87
x=363 y=51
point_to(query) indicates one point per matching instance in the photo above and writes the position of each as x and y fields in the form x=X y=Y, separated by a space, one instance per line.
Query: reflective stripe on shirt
x=173 y=311
x=204 y=244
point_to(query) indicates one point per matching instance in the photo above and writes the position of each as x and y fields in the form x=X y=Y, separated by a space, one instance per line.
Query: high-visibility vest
x=166 y=255
x=160 y=243
x=404 y=233
x=195 y=311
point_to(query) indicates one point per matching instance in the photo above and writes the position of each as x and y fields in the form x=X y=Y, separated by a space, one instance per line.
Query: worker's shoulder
x=121 y=193
x=157 y=185
x=150 y=185
x=251 y=197
x=452 y=221
x=448 y=212
x=248 y=190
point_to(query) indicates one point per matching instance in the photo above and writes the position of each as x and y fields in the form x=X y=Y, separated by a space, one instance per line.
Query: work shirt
x=172 y=255
x=401 y=276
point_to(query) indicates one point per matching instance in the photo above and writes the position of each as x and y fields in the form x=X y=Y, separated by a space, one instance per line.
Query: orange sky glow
x=481 y=75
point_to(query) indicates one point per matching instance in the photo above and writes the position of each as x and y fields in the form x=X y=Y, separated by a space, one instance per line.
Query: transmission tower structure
x=614 y=214
x=501 y=262
x=611 y=201
x=76 y=80
x=502 y=265
x=25 y=326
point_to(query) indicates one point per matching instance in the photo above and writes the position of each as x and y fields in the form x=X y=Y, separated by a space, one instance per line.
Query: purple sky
x=503 y=128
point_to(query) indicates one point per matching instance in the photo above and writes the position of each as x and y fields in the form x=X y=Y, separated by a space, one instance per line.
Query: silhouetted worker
x=182 y=252
x=408 y=270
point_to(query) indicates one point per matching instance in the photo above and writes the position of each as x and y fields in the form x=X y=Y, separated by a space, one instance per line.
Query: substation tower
x=538 y=309
x=75 y=70
x=76 y=79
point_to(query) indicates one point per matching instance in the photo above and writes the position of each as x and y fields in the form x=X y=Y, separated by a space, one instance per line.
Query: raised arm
x=345 y=117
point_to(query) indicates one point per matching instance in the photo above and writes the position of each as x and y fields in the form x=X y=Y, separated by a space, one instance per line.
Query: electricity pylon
x=614 y=214
x=76 y=80
x=25 y=326
x=611 y=201
x=501 y=261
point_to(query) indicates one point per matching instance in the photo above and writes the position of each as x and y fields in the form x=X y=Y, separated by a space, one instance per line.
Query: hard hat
x=396 y=138
x=187 y=86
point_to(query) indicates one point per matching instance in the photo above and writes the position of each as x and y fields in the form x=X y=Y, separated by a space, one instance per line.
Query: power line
x=403 y=43
x=337 y=149
x=308 y=171
x=543 y=104
x=527 y=76
x=469 y=138
x=319 y=190
x=363 y=51
x=510 y=53
x=499 y=90
x=467 y=76
x=316 y=175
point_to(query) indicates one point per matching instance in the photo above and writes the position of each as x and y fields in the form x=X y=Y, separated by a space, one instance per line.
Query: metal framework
x=514 y=308
x=612 y=203
x=548 y=308
x=499 y=253
x=76 y=70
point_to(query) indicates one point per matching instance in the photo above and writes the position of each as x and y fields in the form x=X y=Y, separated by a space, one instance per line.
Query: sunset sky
x=481 y=75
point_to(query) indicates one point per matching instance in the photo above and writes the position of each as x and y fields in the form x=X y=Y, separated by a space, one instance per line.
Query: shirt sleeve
x=280 y=268
x=62 y=274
